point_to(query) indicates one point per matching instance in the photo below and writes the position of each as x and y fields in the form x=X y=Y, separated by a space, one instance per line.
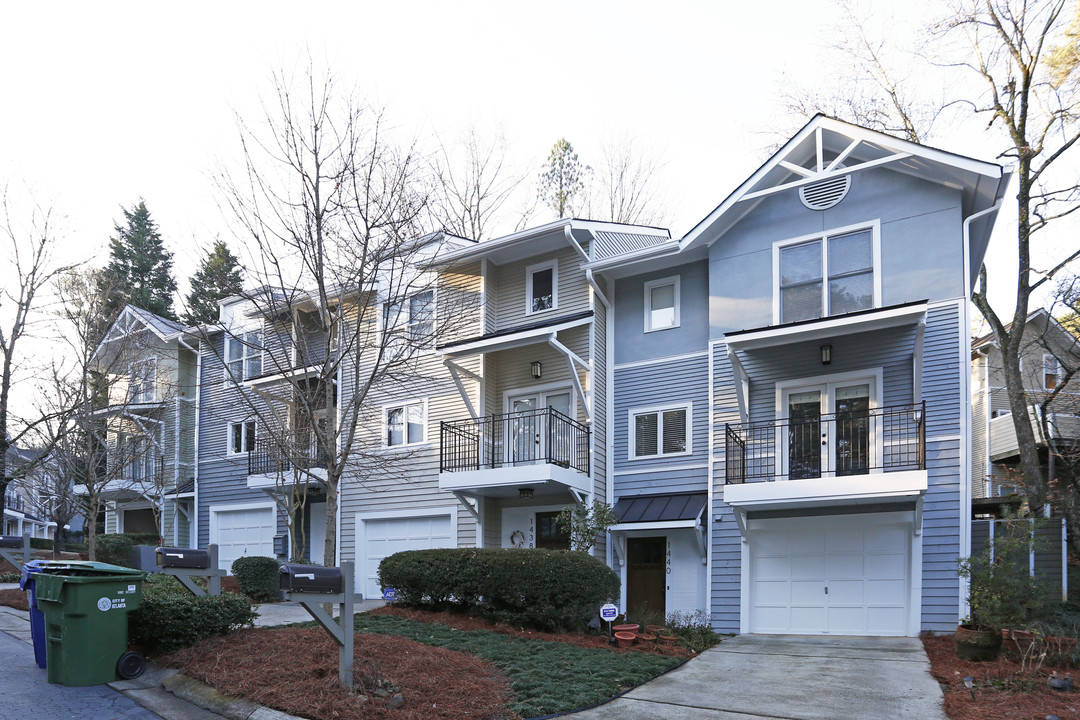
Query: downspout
x=195 y=449
x=965 y=404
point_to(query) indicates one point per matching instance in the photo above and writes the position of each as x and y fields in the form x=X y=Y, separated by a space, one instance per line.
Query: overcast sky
x=107 y=102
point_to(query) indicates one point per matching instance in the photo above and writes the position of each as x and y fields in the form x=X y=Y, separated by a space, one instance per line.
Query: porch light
x=526 y=493
x=826 y=354
x=537 y=371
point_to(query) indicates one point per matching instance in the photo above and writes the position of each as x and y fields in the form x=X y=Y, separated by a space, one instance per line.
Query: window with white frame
x=1051 y=371
x=828 y=275
x=411 y=322
x=143 y=387
x=243 y=355
x=405 y=424
x=542 y=287
x=241 y=437
x=660 y=431
x=662 y=304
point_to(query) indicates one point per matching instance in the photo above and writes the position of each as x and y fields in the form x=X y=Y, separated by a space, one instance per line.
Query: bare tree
x=29 y=248
x=629 y=184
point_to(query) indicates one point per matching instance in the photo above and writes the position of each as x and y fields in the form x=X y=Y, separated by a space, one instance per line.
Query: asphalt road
x=25 y=694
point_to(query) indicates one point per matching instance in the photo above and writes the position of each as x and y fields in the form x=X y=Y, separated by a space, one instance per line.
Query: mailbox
x=191 y=558
x=11 y=541
x=309 y=579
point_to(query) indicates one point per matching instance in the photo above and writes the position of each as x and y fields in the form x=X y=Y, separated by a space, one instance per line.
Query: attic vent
x=823 y=195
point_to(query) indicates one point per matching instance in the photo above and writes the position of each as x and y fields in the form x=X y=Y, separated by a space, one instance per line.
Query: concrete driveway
x=790 y=677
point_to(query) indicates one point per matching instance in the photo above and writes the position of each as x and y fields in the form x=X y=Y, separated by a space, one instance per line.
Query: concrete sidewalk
x=788 y=677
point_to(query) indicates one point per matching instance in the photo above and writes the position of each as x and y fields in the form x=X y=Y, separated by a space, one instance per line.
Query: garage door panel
x=846 y=592
x=385 y=536
x=805 y=620
x=845 y=566
x=885 y=592
x=807 y=592
x=773 y=593
x=810 y=567
x=774 y=567
x=887 y=538
x=244 y=532
x=847 y=620
x=844 y=540
x=886 y=566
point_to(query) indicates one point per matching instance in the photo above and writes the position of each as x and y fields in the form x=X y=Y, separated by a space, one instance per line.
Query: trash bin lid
x=85 y=568
x=31 y=567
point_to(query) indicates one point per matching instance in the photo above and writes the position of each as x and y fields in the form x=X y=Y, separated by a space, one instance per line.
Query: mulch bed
x=436 y=683
x=1002 y=691
x=580 y=639
x=14 y=598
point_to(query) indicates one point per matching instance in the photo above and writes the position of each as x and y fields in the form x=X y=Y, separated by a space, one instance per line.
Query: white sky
x=107 y=102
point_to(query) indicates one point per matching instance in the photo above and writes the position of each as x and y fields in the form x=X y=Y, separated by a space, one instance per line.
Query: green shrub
x=41 y=543
x=257 y=577
x=170 y=617
x=10 y=577
x=548 y=589
x=115 y=548
x=693 y=630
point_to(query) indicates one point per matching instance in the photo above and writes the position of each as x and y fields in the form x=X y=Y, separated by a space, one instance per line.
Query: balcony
x=499 y=454
x=843 y=458
x=273 y=462
x=1063 y=427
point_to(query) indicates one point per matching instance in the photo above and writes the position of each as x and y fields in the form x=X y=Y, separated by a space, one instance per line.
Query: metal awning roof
x=661 y=508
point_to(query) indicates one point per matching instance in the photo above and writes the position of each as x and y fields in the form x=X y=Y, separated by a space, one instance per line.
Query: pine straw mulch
x=1002 y=690
x=15 y=598
x=295 y=670
x=580 y=639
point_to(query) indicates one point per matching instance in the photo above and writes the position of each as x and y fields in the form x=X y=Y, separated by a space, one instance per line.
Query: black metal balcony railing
x=273 y=457
x=885 y=439
x=512 y=439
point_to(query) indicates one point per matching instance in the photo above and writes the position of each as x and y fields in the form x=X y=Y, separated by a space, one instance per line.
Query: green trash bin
x=85 y=606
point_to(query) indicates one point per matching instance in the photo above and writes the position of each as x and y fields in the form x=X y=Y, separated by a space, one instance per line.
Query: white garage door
x=840 y=575
x=241 y=532
x=386 y=536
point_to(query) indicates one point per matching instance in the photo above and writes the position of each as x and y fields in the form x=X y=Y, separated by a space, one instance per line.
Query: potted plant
x=1001 y=591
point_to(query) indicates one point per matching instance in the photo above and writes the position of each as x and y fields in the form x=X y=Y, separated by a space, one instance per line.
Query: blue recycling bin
x=37 y=618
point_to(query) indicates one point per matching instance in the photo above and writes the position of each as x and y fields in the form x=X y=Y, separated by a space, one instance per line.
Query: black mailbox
x=309 y=578
x=11 y=541
x=191 y=558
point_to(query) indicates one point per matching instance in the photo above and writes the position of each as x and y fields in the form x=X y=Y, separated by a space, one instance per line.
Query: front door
x=532 y=436
x=829 y=431
x=548 y=533
x=646 y=576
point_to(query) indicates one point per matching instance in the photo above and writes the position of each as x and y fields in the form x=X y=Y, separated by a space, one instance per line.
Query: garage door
x=386 y=536
x=242 y=532
x=842 y=575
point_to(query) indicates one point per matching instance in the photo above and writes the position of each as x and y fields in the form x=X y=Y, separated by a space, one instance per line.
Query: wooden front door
x=548 y=533
x=646 y=575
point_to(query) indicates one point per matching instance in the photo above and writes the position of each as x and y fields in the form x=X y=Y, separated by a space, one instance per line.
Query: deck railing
x=271 y=456
x=514 y=439
x=887 y=439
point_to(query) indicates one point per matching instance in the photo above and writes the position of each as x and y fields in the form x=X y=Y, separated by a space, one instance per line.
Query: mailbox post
x=312 y=585
x=9 y=544
x=184 y=564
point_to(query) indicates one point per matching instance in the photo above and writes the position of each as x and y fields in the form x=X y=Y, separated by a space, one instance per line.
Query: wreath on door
x=517 y=539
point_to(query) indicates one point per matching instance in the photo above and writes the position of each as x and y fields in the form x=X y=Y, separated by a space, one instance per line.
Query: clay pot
x=625 y=628
x=645 y=637
x=1021 y=639
x=976 y=643
x=624 y=639
x=667 y=640
x=656 y=629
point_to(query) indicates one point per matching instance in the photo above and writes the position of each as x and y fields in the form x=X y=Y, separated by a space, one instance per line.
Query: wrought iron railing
x=887 y=439
x=514 y=439
x=272 y=456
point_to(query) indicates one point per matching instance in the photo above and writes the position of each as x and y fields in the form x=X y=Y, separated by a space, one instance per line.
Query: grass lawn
x=545 y=677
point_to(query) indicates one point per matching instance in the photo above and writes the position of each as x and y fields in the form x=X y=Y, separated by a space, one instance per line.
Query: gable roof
x=1039 y=316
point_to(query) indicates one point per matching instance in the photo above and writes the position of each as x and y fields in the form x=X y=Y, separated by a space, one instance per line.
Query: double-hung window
x=410 y=323
x=241 y=437
x=827 y=275
x=542 y=287
x=1051 y=371
x=660 y=431
x=405 y=424
x=243 y=355
x=143 y=381
x=662 y=304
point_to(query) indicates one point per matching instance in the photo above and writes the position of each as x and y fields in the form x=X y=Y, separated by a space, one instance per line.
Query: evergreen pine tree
x=219 y=276
x=140 y=268
x=562 y=180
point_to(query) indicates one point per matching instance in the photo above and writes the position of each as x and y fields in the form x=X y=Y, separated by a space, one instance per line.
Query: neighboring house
x=147 y=426
x=22 y=505
x=1048 y=352
x=789 y=423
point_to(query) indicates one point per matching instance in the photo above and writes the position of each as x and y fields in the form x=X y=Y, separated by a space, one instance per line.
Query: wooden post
x=345 y=651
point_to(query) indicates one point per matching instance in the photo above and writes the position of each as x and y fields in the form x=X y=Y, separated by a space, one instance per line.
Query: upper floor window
x=1051 y=371
x=827 y=275
x=660 y=431
x=241 y=437
x=411 y=322
x=662 y=304
x=405 y=424
x=542 y=287
x=243 y=355
x=143 y=381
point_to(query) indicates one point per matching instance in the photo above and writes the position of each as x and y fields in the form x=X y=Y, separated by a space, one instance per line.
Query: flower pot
x=624 y=639
x=667 y=640
x=626 y=628
x=645 y=637
x=1022 y=640
x=977 y=643
x=656 y=629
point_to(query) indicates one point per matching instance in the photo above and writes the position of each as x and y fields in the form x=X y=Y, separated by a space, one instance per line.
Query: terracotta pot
x=666 y=639
x=976 y=643
x=624 y=639
x=625 y=628
x=1022 y=640
x=1062 y=644
x=656 y=629
x=645 y=637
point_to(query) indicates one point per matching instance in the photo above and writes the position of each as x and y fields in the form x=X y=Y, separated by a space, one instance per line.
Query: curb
x=206 y=697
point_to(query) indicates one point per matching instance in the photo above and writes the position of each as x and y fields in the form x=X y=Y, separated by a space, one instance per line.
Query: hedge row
x=115 y=548
x=170 y=617
x=549 y=589
x=257 y=577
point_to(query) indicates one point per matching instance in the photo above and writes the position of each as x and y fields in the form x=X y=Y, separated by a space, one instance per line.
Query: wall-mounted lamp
x=525 y=493
x=537 y=369
x=826 y=354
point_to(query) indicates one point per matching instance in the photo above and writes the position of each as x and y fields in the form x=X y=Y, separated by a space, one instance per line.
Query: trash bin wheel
x=131 y=665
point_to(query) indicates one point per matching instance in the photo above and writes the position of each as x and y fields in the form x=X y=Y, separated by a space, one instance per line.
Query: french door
x=829 y=432
x=528 y=433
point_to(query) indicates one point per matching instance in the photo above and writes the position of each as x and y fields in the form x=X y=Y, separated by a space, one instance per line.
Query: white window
x=404 y=424
x=243 y=355
x=143 y=387
x=662 y=304
x=542 y=287
x=241 y=437
x=660 y=431
x=825 y=275
x=411 y=322
x=1051 y=371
